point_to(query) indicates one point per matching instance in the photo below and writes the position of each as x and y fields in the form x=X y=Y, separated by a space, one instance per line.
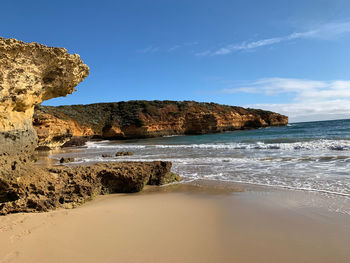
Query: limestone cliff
x=29 y=74
x=141 y=119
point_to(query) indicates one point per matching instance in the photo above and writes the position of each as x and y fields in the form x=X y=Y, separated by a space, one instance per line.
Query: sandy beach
x=197 y=222
x=175 y=131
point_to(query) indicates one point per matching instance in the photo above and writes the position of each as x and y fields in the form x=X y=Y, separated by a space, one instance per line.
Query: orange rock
x=142 y=119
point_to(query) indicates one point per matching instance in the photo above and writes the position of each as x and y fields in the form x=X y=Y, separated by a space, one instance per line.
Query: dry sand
x=185 y=223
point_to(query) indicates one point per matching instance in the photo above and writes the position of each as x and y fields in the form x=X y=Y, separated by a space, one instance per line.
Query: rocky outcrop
x=141 y=119
x=46 y=189
x=29 y=74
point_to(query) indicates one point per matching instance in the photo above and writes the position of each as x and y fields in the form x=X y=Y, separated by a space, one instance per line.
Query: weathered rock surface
x=32 y=189
x=29 y=74
x=141 y=119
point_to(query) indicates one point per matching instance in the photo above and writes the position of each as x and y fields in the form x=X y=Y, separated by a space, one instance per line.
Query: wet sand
x=198 y=222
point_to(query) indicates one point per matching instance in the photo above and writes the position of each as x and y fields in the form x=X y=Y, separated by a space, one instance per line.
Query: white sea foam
x=333 y=145
x=321 y=165
x=107 y=144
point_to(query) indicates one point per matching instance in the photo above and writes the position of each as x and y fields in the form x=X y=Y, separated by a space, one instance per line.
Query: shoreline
x=45 y=160
x=323 y=164
x=335 y=203
x=197 y=222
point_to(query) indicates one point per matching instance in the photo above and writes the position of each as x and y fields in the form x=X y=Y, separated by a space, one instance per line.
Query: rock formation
x=46 y=189
x=29 y=74
x=141 y=119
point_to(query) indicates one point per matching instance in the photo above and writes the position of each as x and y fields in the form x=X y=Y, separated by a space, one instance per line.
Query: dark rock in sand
x=162 y=175
x=43 y=148
x=106 y=155
x=123 y=154
x=76 y=141
x=66 y=160
x=32 y=189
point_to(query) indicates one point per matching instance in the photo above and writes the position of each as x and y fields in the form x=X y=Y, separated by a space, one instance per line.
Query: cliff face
x=29 y=74
x=141 y=119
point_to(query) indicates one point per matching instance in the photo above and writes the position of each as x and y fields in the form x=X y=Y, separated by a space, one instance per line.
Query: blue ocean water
x=311 y=156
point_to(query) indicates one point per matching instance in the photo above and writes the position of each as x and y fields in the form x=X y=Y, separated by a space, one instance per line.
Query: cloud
x=311 y=99
x=149 y=49
x=174 y=48
x=303 y=89
x=326 y=31
x=186 y=44
x=153 y=49
x=314 y=111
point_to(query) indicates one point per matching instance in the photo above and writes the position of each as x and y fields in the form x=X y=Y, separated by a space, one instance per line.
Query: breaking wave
x=333 y=145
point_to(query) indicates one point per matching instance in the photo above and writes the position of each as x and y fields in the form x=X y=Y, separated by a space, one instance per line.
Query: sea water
x=313 y=156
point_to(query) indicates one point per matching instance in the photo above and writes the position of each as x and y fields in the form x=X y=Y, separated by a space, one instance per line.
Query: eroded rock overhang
x=31 y=73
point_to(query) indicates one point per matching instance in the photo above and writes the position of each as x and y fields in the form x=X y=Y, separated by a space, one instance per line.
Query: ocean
x=312 y=156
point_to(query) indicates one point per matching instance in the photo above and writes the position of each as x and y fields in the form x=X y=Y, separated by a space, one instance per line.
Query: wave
x=332 y=145
x=323 y=170
x=292 y=158
x=108 y=144
x=251 y=176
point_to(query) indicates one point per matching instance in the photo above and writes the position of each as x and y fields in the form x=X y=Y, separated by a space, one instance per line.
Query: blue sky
x=291 y=57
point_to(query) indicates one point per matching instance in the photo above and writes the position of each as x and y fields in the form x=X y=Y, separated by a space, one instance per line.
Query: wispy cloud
x=303 y=89
x=311 y=99
x=312 y=111
x=325 y=31
x=149 y=49
x=154 y=49
x=174 y=48
x=186 y=44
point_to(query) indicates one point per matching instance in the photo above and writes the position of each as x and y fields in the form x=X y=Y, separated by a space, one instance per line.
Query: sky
x=292 y=57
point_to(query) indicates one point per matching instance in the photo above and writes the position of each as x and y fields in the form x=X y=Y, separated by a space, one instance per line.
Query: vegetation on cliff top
x=128 y=113
x=141 y=119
